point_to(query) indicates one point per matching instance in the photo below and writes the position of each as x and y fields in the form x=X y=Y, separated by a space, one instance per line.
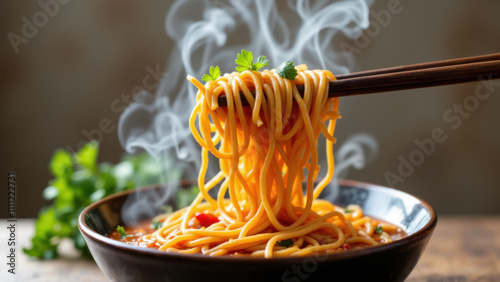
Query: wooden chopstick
x=409 y=77
x=418 y=78
x=459 y=61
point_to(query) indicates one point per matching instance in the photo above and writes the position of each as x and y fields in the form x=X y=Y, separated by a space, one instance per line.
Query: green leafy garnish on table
x=244 y=61
x=285 y=243
x=379 y=229
x=213 y=74
x=287 y=70
x=80 y=180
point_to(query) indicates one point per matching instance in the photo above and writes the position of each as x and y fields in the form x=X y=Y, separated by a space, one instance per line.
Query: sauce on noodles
x=137 y=231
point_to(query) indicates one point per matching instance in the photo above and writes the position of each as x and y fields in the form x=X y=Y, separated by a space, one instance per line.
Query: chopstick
x=418 y=78
x=443 y=63
x=409 y=77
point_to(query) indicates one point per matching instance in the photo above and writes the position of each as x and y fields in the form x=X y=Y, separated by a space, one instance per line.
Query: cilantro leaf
x=156 y=224
x=347 y=211
x=379 y=229
x=87 y=156
x=244 y=61
x=285 y=243
x=45 y=247
x=287 y=70
x=261 y=62
x=214 y=73
x=122 y=232
x=78 y=180
x=61 y=164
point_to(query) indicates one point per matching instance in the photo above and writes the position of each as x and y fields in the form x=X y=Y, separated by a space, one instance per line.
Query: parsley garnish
x=214 y=73
x=156 y=224
x=286 y=243
x=244 y=61
x=122 y=232
x=78 y=180
x=287 y=70
x=347 y=211
x=379 y=229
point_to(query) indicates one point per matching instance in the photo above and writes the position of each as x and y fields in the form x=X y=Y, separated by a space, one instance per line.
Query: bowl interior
x=393 y=206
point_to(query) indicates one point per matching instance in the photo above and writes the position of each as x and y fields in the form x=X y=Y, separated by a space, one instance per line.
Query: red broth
x=134 y=234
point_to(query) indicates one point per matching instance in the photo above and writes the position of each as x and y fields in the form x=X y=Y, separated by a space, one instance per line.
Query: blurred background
x=72 y=78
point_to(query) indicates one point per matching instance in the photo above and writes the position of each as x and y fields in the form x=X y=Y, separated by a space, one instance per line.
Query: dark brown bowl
x=390 y=262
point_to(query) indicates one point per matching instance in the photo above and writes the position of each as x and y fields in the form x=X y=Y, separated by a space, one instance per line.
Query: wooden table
x=461 y=249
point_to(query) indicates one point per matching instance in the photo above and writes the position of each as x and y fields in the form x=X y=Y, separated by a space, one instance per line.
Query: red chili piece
x=206 y=219
x=346 y=246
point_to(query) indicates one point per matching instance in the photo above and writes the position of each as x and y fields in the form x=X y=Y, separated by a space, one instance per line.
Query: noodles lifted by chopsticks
x=266 y=151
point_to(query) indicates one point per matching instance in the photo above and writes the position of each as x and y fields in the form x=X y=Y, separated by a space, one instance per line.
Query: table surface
x=461 y=249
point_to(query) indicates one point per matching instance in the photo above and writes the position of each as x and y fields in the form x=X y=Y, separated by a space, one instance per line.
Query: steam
x=209 y=33
x=355 y=152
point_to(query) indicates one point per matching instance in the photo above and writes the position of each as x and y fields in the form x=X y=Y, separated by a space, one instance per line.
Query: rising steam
x=212 y=33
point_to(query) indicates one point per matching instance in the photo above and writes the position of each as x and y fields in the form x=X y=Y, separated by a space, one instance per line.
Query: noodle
x=266 y=151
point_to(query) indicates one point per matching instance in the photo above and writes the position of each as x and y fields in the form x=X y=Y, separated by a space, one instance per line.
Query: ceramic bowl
x=389 y=262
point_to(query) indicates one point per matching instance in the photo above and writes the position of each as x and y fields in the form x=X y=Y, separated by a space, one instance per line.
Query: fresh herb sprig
x=244 y=61
x=123 y=234
x=287 y=70
x=379 y=229
x=213 y=74
x=80 y=180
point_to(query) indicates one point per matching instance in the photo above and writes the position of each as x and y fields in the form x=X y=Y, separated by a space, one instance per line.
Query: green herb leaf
x=287 y=70
x=87 y=156
x=286 y=243
x=244 y=61
x=43 y=245
x=379 y=229
x=156 y=224
x=347 y=211
x=50 y=193
x=122 y=232
x=78 y=180
x=214 y=73
x=61 y=164
x=261 y=62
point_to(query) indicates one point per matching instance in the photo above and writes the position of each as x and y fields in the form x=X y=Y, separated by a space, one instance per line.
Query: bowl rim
x=422 y=232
